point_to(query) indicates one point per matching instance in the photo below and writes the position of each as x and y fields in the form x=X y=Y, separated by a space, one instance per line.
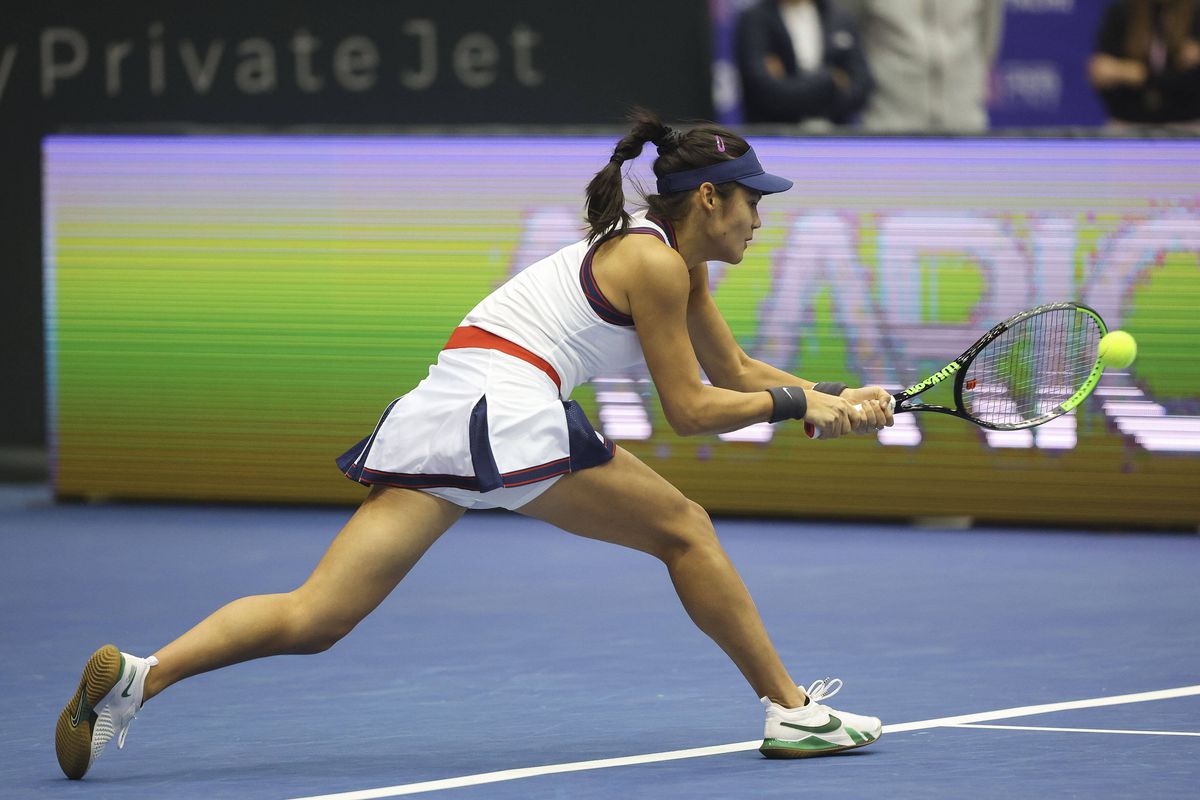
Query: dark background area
x=282 y=66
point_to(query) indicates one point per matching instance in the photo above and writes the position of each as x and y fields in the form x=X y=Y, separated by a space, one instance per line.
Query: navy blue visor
x=744 y=169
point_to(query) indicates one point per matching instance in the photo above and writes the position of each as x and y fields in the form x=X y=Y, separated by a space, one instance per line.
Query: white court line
x=1074 y=730
x=699 y=752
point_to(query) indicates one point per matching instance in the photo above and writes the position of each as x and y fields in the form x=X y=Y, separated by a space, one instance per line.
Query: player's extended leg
x=627 y=503
x=376 y=548
x=389 y=532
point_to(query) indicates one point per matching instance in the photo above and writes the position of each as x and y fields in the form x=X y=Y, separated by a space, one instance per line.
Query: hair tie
x=616 y=159
x=669 y=138
x=720 y=144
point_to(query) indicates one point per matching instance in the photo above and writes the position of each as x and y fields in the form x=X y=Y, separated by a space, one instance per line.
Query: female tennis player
x=492 y=426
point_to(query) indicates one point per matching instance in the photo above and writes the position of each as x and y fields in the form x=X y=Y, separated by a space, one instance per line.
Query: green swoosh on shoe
x=833 y=724
x=125 y=693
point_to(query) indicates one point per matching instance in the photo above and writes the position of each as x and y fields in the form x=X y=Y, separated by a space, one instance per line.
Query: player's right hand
x=832 y=416
x=875 y=415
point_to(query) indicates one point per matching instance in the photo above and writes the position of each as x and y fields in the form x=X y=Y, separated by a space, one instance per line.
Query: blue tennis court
x=517 y=661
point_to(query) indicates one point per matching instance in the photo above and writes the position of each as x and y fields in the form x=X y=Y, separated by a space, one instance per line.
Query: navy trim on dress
x=482 y=459
x=666 y=225
x=351 y=462
x=587 y=449
x=591 y=290
x=405 y=480
x=346 y=460
x=596 y=299
x=524 y=477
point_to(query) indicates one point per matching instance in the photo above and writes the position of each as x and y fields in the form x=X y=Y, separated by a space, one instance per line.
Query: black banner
x=450 y=62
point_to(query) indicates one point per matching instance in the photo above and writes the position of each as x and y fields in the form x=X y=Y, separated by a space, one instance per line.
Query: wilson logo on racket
x=936 y=377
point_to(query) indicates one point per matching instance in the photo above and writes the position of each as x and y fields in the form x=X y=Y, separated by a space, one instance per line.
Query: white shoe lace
x=821 y=689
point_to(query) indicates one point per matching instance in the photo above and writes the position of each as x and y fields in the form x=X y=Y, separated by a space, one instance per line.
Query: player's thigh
x=376 y=548
x=625 y=502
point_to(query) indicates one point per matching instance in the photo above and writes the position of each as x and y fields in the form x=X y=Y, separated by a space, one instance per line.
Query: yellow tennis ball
x=1118 y=349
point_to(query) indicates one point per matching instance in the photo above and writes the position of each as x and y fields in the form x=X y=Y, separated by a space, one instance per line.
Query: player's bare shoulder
x=656 y=281
x=649 y=264
x=638 y=265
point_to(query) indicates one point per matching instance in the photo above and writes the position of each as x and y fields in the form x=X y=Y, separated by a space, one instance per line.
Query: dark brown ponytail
x=605 y=193
x=677 y=151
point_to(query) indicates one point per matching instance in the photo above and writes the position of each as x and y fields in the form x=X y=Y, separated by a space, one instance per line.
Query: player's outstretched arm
x=727 y=365
x=658 y=302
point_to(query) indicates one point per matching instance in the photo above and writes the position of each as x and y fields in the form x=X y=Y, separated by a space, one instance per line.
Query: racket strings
x=1031 y=369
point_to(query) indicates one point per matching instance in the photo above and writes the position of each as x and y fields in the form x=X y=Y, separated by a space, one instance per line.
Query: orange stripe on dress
x=472 y=337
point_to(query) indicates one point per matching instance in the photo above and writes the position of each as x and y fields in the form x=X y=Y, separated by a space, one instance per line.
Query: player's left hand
x=876 y=408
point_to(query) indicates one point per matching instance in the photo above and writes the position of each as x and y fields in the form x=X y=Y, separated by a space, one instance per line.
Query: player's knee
x=315 y=629
x=685 y=529
x=326 y=634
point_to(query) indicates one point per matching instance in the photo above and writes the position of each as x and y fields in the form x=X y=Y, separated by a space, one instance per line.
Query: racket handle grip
x=813 y=432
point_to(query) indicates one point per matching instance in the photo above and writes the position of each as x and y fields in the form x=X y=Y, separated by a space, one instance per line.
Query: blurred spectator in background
x=1147 y=62
x=800 y=61
x=931 y=61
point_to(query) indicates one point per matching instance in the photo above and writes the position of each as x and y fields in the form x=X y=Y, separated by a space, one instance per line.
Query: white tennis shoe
x=815 y=729
x=108 y=698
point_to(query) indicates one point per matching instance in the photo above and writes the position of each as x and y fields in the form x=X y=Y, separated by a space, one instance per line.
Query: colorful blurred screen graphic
x=226 y=314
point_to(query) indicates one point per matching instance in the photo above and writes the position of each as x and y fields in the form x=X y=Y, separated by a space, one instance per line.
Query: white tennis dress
x=491 y=426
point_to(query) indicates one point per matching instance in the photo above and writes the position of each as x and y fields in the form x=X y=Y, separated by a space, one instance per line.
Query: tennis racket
x=1029 y=369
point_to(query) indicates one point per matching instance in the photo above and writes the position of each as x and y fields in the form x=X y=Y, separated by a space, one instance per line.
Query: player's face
x=737 y=223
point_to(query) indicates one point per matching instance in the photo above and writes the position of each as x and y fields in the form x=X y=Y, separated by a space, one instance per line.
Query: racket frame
x=958 y=370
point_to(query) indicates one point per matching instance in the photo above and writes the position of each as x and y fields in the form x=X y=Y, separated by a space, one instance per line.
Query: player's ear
x=708 y=195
